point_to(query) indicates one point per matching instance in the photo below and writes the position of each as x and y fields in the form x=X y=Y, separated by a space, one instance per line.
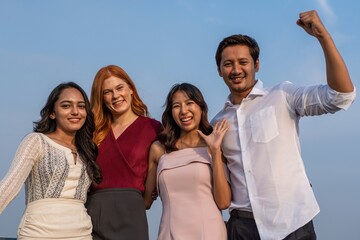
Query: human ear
x=257 y=65
x=219 y=71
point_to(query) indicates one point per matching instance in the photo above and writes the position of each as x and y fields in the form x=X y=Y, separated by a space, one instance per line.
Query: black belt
x=241 y=214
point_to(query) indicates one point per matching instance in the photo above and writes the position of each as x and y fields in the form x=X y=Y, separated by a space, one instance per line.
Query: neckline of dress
x=65 y=148
x=127 y=127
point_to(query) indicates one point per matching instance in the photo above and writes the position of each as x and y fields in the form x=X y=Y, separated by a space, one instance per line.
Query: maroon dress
x=116 y=205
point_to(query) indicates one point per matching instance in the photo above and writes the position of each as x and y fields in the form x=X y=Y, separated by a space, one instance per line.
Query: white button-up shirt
x=262 y=148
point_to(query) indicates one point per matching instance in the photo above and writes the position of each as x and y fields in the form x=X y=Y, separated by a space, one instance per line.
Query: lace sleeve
x=28 y=152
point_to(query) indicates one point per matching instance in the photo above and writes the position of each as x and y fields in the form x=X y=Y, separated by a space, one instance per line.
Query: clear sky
x=159 y=43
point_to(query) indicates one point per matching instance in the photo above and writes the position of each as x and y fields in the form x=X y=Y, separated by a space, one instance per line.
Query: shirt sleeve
x=317 y=99
x=28 y=152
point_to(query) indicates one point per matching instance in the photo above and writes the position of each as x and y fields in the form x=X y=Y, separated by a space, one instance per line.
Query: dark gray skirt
x=118 y=214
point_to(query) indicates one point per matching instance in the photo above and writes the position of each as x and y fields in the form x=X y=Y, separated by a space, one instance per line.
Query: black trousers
x=242 y=226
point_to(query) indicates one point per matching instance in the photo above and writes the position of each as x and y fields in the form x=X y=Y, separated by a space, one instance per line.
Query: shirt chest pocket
x=264 y=126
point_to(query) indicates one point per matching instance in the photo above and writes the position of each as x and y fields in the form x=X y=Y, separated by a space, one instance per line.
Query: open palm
x=215 y=138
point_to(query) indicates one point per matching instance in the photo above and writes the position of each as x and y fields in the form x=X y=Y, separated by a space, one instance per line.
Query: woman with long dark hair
x=186 y=165
x=57 y=163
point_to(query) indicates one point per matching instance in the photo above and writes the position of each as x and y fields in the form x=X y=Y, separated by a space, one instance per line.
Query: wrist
x=215 y=152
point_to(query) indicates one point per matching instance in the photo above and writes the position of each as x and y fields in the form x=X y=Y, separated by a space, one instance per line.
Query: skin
x=238 y=69
x=117 y=96
x=70 y=115
x=187 y=115
x=338 y=77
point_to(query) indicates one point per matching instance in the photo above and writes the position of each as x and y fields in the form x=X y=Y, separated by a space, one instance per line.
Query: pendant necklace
x=67 y=145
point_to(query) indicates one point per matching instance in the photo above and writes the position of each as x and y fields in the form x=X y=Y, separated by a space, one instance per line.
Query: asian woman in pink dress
x=187 y=167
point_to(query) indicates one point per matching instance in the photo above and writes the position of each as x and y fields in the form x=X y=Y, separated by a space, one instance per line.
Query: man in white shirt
x=271 y=194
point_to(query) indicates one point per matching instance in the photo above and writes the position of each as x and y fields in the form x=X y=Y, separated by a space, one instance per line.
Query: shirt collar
x=258 y=90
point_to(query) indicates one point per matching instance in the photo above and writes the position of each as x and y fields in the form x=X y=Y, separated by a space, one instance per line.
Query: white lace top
x=48 y=170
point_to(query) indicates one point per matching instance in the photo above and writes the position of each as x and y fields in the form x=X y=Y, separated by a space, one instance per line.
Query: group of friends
x=92 y=168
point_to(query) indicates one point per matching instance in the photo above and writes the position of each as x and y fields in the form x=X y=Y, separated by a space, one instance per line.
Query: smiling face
x=69 y=111
x=117 y=95
x=185 y=112
x=238 y=69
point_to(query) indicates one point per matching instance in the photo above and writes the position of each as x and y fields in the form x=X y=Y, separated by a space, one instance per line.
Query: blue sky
x=159 y=43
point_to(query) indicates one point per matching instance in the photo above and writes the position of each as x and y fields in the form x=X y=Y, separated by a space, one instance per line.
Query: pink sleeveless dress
x=185 y=188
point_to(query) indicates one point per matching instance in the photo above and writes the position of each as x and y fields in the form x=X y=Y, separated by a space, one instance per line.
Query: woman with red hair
x=123 y=133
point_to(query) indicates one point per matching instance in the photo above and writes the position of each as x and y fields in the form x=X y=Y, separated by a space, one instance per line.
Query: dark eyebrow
x=65 y=101
x=68 y=101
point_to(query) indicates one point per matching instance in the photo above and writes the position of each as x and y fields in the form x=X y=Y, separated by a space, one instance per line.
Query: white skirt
x=55 y=218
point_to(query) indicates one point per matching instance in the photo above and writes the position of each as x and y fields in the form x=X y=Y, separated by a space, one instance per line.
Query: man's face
x=237 y=68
